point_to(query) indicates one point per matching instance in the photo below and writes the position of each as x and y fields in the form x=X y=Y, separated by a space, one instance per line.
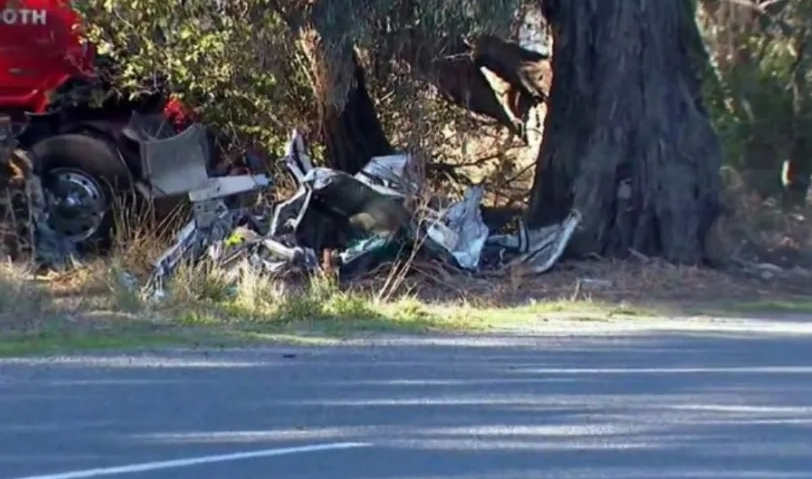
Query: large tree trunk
x=626 y=141
x=349 y=126
x=353 y=134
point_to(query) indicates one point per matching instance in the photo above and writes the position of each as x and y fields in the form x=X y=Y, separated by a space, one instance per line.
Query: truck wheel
x=81 y=175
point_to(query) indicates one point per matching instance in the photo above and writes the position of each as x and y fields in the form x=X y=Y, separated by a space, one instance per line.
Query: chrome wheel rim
x=77 y=204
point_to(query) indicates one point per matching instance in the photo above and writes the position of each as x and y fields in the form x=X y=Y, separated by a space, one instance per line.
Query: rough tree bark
x=348 y=123
x=627 y=142
x=352 y=134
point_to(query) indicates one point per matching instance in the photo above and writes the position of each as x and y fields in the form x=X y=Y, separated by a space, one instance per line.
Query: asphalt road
x=621 y=405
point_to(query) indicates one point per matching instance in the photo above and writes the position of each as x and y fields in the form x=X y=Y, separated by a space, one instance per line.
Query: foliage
x=247 y=67
x=762 y=103
x=232 y=61
x=244 y=64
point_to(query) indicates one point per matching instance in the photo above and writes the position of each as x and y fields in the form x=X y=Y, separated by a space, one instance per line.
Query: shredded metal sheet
x=371 y=212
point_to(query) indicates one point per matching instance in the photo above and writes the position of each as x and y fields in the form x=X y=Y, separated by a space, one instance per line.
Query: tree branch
x=454 y=67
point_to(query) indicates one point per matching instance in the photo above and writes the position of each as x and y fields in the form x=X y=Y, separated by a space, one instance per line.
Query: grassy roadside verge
x=89 y=310
x=66 y=333
x=757 y=308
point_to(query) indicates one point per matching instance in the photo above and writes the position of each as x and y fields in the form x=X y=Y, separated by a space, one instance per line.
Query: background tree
x=262 y=67
x=627 y=141
x=761 y=100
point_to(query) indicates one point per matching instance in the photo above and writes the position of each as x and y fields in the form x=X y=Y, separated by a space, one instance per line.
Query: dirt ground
x=760 y=254
x=630 y=282
x=763 y=255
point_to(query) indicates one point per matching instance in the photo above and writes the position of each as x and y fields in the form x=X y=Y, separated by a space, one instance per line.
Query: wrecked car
x=352 y=223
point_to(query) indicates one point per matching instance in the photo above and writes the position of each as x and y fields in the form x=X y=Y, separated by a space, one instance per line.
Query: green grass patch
x=561 y=310
x=801 y=305
x=204 y=309
x=46 y=342
x=210 y=325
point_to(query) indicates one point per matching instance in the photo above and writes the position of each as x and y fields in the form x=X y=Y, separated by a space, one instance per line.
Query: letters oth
x=22 y=16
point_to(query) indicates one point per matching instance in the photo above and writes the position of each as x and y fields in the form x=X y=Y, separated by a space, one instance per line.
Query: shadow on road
x=616 y=407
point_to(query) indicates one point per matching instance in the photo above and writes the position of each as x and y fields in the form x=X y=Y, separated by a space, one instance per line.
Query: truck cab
x=86 y=154
x=79 y=149
x=41 y=50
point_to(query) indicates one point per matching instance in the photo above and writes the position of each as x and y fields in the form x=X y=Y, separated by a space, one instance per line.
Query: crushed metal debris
x=350 y=223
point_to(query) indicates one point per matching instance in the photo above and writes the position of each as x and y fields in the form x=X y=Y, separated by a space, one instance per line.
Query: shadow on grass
x=336 y=315
x=219 y=322
x=300 y=320
x=204 y=309
x=756 y=309
x=56 y=342
x=212 y=326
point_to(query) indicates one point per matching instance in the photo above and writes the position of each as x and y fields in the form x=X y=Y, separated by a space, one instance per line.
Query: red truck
x=85 y=153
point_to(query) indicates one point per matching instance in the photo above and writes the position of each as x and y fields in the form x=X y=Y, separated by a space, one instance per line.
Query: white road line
x=193 y=461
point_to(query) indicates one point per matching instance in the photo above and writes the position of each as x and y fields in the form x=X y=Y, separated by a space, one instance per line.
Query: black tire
x=95 y=158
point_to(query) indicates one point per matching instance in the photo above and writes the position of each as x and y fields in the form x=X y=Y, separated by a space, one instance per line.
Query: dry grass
x=430 y=297
x=411 y=294
x=414 y=294
x=24 y=305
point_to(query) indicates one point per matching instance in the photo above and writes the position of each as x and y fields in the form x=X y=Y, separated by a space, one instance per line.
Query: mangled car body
x=353 y=222
x=356 y=222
